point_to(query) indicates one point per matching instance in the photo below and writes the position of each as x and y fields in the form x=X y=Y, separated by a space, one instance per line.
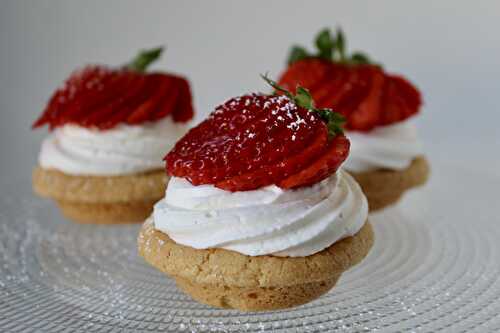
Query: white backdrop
x=450 y=49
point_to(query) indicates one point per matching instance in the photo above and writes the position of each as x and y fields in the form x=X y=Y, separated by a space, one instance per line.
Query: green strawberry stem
x=334 y=121
x=331 y=47
x=144 y=59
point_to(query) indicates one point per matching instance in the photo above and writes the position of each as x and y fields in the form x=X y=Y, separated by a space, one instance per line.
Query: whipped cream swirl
x=389 y=147
x=265 y=221
x=121 y=150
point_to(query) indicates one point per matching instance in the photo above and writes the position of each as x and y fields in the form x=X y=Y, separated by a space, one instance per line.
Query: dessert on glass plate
x=386 y=155
x=110 y=127
x=257 y=214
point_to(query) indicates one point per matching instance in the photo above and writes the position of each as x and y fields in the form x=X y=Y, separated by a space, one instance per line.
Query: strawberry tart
x=386 y=155
x=257 y=214
x=110 y=127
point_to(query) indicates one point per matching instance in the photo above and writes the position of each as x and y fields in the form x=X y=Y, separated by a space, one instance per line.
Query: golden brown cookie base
x=229 y=279
x=143 y=186
x=384 y=187
x=106 y=213
x=106 y=199
x=256 y=298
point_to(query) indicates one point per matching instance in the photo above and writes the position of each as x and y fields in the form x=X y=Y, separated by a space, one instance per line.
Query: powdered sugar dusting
x=241 y=135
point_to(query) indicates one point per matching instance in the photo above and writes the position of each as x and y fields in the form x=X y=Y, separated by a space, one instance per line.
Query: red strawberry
x=242 y=135
x=256 y=179
x=170 y=102
x=184 y=108
x=107 y=113
x=368 y=111
x=352 y=90
x=352 y=86
x=87 y=94
x=134 y=102
x=254 y=141
x=145 y=111
x=323 y=167
x=400 y=100
x=332 y=88
x=407 y=93
x=306 y=73
x=101 y=97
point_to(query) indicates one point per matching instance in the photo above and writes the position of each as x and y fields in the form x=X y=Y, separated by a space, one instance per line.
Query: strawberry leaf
x=341 y=44
x=144 y=59
x=334 y=121
x=297 y=53
x=331 y=48
x=325 y=44
x=277 y=87
x=360 y=58
x=303 y=98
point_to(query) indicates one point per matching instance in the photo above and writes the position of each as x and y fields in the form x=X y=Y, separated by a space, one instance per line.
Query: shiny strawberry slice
x=342 y=87
x=333 y=88
x=361 y=94
x=366 y=115
x=147 y=109
x=123 y=110
x=409 y=93
x=64 y=96
x=306 y=73
x=242 y=127
x=102 y=97
x=53 y=105
x=88 y=93
x=393 y=108
x=395 y=105
x=169 y=100
x=357 y=87
x=225 y=120
x=272 y=141
x=259 y=178
x=102 y=107
x=322 y=168
x=183 y=111
x=350 y=84
x=105 y=115
x=244 y=135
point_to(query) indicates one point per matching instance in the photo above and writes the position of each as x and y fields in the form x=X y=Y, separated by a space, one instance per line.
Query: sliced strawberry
x=64 y=96
x=393 y=104
x=282 y=169
x=88 y=93
x=358 y=87
x=105 y=115
x=306 y=73
x=409 y=93
x=169 y=100
x=183 y=110
x=332 y=89
x=124 y=110
x=108 y=101
x=245 y=135
x=148 y=108
x=272 y=141
x=366 y=115
x=366 y=95
x=239 y=127
x=323 y=167
x=100 y=97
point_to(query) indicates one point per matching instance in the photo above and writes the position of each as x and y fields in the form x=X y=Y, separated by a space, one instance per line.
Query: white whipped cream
x=121 y=150
x=269 y=220
x=391 y=147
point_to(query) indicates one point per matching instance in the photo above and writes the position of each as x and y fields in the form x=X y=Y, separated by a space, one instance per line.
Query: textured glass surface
x=434 y=266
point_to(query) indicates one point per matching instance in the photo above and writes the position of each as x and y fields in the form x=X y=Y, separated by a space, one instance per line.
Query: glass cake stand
x=434 y=267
